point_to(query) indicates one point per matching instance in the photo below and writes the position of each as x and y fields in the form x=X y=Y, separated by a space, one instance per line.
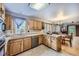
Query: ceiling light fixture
x=39 y=6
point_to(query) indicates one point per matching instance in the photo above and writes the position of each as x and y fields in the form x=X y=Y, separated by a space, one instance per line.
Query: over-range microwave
x=2 y=25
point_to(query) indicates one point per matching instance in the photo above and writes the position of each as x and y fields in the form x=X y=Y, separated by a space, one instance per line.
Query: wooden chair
x=67 y=38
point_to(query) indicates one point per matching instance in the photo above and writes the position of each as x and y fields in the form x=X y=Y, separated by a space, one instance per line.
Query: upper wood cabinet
x=31 y=22
x=2 y=10
x=35 y=25
x=8 y=21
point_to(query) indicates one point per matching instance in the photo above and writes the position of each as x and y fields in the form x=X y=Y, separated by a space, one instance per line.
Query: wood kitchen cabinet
x=40 y=25
x=40 y=39
x=2 y=11
x=35 y=25
x=8 y=21
x=14 y=47
x=26 y=43
x=56 y=43
x=31 y=22
x=46 y=41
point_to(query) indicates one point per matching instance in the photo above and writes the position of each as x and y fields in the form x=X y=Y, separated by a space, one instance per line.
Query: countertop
x=15 y=36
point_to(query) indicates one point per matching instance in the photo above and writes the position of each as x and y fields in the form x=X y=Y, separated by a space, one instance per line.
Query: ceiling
x=63 y=12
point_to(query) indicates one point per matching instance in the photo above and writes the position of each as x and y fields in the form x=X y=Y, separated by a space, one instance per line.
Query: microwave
x=2 y=25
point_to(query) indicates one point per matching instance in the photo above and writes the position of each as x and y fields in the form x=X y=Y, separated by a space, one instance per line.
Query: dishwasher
x=34 y=41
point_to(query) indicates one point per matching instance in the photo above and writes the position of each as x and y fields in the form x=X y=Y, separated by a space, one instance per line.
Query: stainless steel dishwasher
x=34 y=41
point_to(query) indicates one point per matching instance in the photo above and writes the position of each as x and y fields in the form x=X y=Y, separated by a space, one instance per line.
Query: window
x=19 y=25
x=48 y=27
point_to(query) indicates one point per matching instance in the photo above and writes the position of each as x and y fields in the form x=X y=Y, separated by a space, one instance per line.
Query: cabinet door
x=8 y=21
x=31 y=24
x=40 y=39
x=10 y=49
x=27 y=43
x=2 y=11
x=53 y=44
x=15 y=47
x=56 y=43
x=44 y=41
x=35 y=25
x=48 y=41
x=39 y=25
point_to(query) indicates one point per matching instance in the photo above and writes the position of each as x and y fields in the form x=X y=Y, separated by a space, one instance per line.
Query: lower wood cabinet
x=14 y=47
x=40 y=38
x=56 y=43
x=46 y=41
x=53 y=42
x=26 y=43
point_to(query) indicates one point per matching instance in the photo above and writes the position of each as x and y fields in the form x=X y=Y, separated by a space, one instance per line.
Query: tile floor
x=42 y=51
